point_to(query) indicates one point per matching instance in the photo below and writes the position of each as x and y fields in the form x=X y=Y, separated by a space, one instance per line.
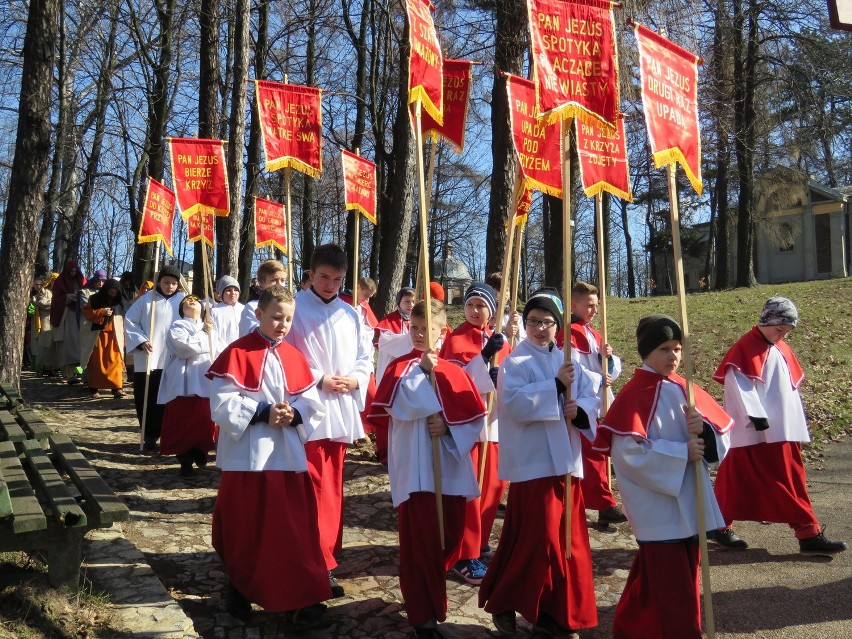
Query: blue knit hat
x=483 y=292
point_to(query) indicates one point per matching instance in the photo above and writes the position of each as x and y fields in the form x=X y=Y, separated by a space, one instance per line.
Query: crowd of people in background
x=281 y=386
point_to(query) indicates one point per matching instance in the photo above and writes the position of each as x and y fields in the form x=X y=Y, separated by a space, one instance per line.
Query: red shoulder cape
x=635 y=404
x=244 y=359
x=368 y=311
x=466 y=342
x=392 y=323
x=459 y=399
x=749 y=356
x=580 y=339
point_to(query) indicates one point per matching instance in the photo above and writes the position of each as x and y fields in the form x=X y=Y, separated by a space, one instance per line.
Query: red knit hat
x=437 y=291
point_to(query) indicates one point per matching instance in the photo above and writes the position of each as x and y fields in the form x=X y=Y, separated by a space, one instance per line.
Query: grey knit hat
x=778 y=311
x=224 y=282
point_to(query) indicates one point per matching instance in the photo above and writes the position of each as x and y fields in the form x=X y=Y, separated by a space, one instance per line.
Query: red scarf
x=459 y=399
x=636 y=403
x=749 y=356
x=580 y=338
x=243 y=362
x=466 y=342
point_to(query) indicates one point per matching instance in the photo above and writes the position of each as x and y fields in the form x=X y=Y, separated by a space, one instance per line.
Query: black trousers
x=154 y=416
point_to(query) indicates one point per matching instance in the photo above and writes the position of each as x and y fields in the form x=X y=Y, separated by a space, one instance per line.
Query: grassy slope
x=822 y=341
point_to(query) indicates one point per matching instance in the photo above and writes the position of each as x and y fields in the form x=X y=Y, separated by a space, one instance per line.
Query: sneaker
x=471 y=570
x=199 y=457
x=612 y=515
x=337 y=590
x=505 y=622
x=150 y=445
x=547 y=626
x=820 y=545
x=186 y=469
x=307 y=618
x=486 y=552
x=728 y=538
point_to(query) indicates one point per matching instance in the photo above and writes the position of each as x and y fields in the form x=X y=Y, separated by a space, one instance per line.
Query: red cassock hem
x=481 y=512
x=661 y=597
x=325 y=467
x=265 y=531
x=766 y=482
x=423 y=564
x=595 y=483
x=187 y=425
x=529 y=572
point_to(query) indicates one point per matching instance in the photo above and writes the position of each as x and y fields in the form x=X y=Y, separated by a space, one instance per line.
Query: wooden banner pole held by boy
x=498 y=328
x=208 y=284
x=148 y=356
x=690 y=400
x=599 y=236
x=516 y=275
x=356 y=253
x=418 y=280
x=566 y=293
x=287 y=212
x=427 y=297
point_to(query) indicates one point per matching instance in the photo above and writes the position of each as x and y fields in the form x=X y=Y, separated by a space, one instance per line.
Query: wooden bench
x=50 y=496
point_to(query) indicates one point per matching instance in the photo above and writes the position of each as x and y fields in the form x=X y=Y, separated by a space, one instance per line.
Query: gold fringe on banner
x=602 y=186
x=295 y=164
x=571 y=110
x=419 y=93
x=670 y=156
x=364 y=212
x=547 y=189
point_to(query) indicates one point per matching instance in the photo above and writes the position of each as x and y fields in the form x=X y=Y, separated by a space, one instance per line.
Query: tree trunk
x=628 y=246
x=722 y=98
x=509 y=45
x=26 y=183
x=229 y=233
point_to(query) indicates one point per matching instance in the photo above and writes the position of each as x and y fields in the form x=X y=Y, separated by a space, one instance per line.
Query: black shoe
x=427 y=632
x=547 y=626
x=186 y=469
x=307 y=618
x=820 y=545
x=236 y=604
x=199 y=457
x=505 y=622
x=728 y=538
x=150 y=446
x=612 y=515
x=336 y=589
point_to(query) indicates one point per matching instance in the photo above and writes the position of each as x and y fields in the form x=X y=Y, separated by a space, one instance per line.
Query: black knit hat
x=483 y=292
x=170 y=271
x=654 y=330
x=547 y=299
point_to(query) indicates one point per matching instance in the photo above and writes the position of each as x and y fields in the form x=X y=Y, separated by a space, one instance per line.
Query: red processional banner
x=603 y=159
x=158 y=215
x=200 y=176
x=425 y=83
x=270 y=225
x=522 y=213
x=670 y=99
x=359 y=184
x=200 y=225
x=538 y=145
x=291 y=126
x=457 y=81
x=574 y=55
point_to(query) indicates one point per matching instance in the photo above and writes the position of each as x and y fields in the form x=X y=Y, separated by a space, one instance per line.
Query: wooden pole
x=498 y=328
x=289 y=217
x=516 y=273
x=208 y=284
x=427 y=297
x=355 y=256
x=602 y=284
x=148 y=355
x=418 y=283
x=690 y=400
x=566 y=294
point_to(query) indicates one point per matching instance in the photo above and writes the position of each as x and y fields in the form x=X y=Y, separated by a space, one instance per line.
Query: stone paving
x=165 y=580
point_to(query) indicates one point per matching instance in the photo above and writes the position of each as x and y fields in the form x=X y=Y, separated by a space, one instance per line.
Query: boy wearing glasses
x=540 y=429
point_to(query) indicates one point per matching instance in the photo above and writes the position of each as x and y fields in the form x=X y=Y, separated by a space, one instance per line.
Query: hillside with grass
x=822 y=341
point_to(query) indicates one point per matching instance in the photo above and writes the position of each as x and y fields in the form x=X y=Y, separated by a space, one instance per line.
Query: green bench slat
x=65 y=507
x=11 y=395
x=27 y=512
x=5 y=500
x=32 y=423
x=9 y=428
x=106 y=507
